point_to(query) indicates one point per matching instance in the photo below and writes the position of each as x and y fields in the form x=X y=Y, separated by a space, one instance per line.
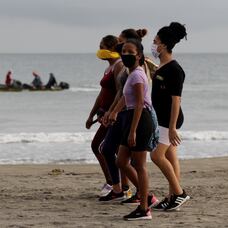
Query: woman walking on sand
x=104 y=100
x=166 y=97
x=137 y=125
x=113 y=137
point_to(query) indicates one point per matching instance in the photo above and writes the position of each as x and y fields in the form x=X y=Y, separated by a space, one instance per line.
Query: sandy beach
x=36 y=196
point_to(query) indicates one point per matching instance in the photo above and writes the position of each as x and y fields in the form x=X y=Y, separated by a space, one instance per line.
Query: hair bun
x=141 y=32
x=178 y=31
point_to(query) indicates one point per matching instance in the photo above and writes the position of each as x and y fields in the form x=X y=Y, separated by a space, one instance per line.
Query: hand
x=132 y=139
x=112 y=118
x=174 y=137
x=105 y=120
x=89 y=122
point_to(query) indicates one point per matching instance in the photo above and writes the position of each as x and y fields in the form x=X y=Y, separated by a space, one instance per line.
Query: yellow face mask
x=106 y=54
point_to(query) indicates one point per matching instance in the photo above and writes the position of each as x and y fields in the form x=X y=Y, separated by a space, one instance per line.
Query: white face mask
x=154 y=51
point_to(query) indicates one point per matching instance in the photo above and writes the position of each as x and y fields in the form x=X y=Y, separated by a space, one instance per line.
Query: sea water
x=49 y=127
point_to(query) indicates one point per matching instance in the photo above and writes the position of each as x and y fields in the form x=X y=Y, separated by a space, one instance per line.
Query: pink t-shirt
x=137 y=76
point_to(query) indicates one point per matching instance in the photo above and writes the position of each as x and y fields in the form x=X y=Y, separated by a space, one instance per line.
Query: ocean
x=49 y=127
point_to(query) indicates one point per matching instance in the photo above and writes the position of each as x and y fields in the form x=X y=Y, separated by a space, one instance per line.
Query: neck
x=132 y=68
x=165 y=58
x=111 y=61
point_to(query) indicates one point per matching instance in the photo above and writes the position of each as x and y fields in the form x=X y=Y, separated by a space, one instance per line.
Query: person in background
x=8 y=79
x=104 y=100
x=10 y=82
x=51 y=82
x=37 y=82
x=166 y=98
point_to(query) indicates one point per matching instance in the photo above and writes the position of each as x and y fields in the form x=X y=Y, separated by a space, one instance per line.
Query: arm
x=118 y=71
x=94 y=110
x=138 y=90
x=173 y=135
x=119 y=106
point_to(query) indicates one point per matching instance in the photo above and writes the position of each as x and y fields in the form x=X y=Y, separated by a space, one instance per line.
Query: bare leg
x=158 y=156
x=123 y=162
x=124 y=180
x=171 y=155
x=141 y=168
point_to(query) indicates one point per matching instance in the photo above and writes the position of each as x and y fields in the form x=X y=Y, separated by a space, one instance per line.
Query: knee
x=155 y=157
x=95 y=147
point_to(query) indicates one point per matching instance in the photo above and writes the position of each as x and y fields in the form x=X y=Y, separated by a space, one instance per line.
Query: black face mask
x=128 y=60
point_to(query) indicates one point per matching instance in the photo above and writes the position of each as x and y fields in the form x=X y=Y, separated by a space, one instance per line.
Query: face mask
x=128 y=60
x=106 y=54
x=154 y=51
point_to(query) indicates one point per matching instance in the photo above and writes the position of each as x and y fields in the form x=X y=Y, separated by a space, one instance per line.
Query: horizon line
x=47 y=53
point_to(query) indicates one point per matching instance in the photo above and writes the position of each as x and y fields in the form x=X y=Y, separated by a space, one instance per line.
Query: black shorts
x=143 y=131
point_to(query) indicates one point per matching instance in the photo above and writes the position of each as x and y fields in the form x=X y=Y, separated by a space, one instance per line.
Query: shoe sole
x=112 y=200
x=154 y=209
x=133 y=204
x=140 y=218
x=177 y=207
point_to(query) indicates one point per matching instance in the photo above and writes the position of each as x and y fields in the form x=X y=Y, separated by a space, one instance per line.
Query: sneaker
x=112 y=196
x=127 y=193
x=152 y=201
x=106 y=189
x=134 y=200
x=138 y=214
x=161 y=206
x=176 y=201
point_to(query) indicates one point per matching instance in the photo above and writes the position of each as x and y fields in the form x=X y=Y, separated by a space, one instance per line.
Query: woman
x=166 y=97
x=104 y=100
x=138 y=124
x=112 y=139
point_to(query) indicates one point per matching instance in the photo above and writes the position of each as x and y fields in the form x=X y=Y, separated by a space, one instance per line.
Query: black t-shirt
x=167 y=82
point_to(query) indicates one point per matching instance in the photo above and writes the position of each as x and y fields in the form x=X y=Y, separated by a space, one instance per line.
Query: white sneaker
x=106 y=189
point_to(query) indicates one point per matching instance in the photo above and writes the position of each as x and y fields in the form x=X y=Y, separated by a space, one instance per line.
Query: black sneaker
x=138 y=214
x=176 y=201
x=162 y=205
x=112 y=196
x=134 y=200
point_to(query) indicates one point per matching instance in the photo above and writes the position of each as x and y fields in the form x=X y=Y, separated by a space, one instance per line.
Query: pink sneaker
x=152 y=201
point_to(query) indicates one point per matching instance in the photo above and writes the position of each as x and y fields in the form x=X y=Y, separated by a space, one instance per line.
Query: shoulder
x=139 y=71
x=174 y=65
x=118 y=67
x=138 y=76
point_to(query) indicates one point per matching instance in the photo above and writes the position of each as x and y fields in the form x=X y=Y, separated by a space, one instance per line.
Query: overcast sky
x=76 y=26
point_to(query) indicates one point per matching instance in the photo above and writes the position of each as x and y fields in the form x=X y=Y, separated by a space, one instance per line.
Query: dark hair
x=110 y=41
x=134 y=34
x=139 y=48
x=172 y=34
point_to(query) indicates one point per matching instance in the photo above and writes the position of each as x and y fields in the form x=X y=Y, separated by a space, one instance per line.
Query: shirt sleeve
x=137 y=77
x=176 y=81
